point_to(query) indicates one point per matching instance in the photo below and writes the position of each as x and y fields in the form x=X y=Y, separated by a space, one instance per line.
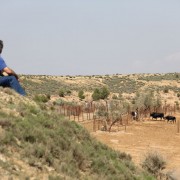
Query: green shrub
x=41 y=98
x=61 y=92
x=124 y=156
x=68 y=92
x=102 y=93
x=59 y=102
x=96 y=94
x=81 y=94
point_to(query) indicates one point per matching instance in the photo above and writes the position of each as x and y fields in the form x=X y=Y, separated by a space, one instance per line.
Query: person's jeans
x=11 y=81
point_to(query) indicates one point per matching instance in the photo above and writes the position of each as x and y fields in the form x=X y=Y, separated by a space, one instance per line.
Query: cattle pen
x=115 y=126
x=110 y=117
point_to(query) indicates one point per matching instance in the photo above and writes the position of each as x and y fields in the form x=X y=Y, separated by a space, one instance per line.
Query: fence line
x=104 y=120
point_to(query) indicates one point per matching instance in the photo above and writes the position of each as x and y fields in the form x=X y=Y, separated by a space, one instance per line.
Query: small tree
x=81 y=94
x=158 y=102
x=61 y=92
x=100 y=93
x=96 y=94
x=145 y=99
x=104 y=93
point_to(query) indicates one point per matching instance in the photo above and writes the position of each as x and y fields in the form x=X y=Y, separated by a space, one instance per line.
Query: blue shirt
x=2 y=64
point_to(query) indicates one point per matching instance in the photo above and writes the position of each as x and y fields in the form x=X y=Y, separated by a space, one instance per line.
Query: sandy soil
x=142 y=137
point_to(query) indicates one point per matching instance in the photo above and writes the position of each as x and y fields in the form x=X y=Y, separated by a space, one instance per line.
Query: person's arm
x=10 y=72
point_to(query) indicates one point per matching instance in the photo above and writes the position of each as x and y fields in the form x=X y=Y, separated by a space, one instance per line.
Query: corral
x=134 y=137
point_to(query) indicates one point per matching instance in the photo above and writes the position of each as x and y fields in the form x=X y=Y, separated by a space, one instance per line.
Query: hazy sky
x=90 y=37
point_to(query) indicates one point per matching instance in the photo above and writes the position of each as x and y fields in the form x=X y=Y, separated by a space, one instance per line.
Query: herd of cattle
x=156 y=115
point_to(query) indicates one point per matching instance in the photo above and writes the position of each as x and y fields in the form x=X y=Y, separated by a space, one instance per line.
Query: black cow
x=170 y=118
x=156 y=115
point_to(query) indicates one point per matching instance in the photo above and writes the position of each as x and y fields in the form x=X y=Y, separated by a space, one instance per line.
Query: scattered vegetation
x=45 y=139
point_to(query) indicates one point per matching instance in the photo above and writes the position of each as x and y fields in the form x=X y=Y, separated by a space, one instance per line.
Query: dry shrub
x=154 y=163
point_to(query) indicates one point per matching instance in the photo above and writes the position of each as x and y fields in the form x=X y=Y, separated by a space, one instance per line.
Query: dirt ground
x=142 y=137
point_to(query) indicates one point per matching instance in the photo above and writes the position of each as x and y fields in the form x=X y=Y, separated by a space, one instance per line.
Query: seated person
x=11 y=79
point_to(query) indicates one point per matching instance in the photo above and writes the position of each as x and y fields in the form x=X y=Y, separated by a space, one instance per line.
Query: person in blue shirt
x=11 y=79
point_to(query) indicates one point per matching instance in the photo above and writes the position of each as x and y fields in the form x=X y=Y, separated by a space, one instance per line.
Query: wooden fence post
x=125 y=125
x=178 y=126
x=94 y=124
x=82 y=114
